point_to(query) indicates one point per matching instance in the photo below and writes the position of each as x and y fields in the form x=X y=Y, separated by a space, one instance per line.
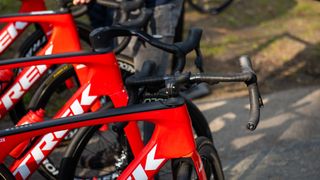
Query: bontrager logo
x=11 y=33
x=151 y=165
x=126 y=66
x=48 y=142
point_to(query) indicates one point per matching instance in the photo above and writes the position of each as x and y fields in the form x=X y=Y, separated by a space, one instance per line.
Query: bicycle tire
x=5 y=174
x=199 y=122
x=184 y=169
x=79 y=142
x=96 y=163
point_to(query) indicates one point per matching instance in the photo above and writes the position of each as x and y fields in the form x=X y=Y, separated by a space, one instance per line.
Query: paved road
x=286 y=145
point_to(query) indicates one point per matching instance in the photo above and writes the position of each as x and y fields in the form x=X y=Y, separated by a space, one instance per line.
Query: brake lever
x=199 y=59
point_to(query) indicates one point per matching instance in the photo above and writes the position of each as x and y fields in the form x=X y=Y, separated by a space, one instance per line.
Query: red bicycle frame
x=63 y=38
x=172 y=137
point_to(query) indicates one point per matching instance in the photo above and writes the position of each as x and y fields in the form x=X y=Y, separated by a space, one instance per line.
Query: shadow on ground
x=296 y=65
x=285 y=145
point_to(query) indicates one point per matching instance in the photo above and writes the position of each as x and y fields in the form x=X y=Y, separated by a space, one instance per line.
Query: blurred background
x=283 y=39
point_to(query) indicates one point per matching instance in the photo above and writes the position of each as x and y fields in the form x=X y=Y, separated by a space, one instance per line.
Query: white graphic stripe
x=152 y=163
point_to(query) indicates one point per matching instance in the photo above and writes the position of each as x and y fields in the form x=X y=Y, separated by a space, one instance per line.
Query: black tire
x=184 y=170
x=5 y=174
x=212 y=7
x=199 y=122
x=54 y=82
x=101 y=164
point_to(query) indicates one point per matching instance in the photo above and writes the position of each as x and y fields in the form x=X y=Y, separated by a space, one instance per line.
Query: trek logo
x=50 y=140
x=151 y=165
x=2 y=140
x=46 y=144
x=26 y=80
x=76 y=106
x=19 y=88
x=10 y=34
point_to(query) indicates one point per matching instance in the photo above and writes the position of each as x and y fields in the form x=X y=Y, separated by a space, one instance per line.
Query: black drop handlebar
x=247 y=76
x=102 y=40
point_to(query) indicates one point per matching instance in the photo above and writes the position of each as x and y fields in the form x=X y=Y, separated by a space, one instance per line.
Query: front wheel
x=95 y=154
x=184 y=170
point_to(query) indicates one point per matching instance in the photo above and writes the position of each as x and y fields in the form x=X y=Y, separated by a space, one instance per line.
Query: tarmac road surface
x=286 y=144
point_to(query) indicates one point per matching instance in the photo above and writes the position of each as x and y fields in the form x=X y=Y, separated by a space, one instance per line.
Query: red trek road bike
x=171 y=139
x=171 y=118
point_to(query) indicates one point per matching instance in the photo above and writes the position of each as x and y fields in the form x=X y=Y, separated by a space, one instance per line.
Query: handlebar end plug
x=251 y=126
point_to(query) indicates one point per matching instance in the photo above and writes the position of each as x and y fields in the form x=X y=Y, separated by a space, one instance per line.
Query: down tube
x=79 y=103
x=21 y=86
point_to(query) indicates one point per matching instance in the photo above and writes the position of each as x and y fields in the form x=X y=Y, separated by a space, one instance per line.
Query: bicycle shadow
x=302 y=69
x=286 y=139
x=299 y=68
